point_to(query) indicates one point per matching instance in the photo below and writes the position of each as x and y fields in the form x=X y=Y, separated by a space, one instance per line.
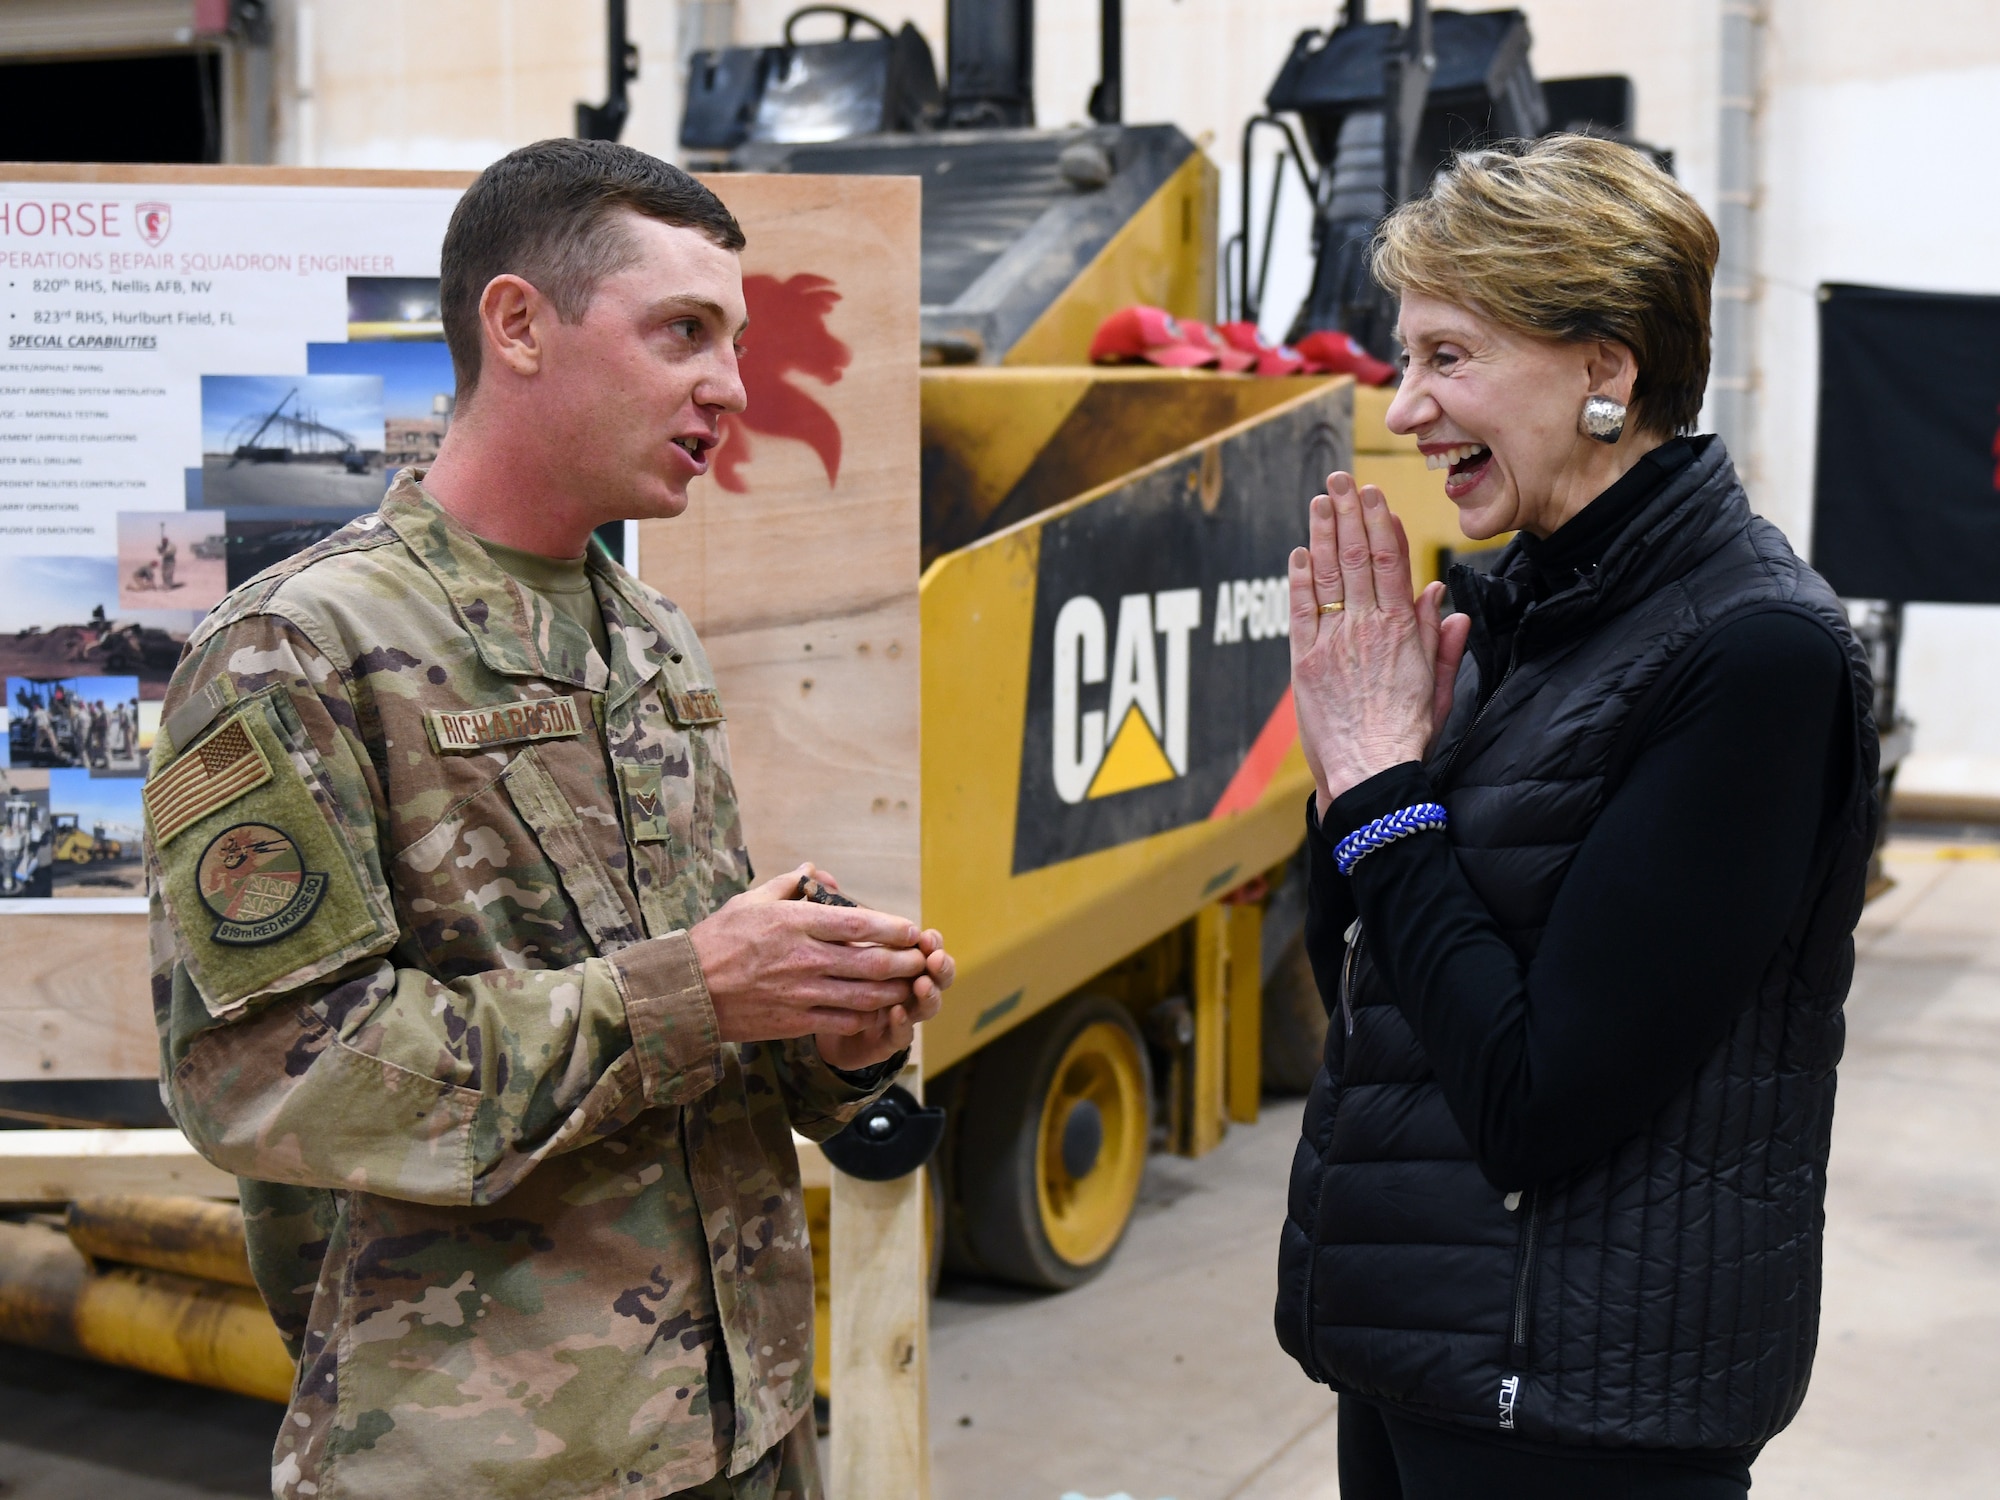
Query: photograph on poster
x=25 y=839
x=87 y=723
x=290 y=440
x=393 y=307
x=417 y=392
x=95 y=824
x=60 y=617
x=260 y=539
x=171 y=559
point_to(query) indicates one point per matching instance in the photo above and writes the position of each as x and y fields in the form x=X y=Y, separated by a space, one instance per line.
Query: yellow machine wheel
x=1057 y=1123
x=1092 y=1142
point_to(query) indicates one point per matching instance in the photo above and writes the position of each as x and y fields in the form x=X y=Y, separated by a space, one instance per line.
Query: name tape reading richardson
x=459 y=730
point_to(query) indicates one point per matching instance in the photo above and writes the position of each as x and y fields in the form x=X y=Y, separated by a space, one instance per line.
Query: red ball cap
x=1227 y=355
x=1338 y=353
x=1151 y=334
x=1271 y=359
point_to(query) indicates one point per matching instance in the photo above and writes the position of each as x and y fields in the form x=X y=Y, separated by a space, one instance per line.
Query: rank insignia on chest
x=254 y=882
x=645 y=803
x=460 y=731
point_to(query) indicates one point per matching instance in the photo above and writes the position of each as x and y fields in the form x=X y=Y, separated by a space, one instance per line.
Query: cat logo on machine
x=1147 y=713
x=1159 y=673
x=1141 y=737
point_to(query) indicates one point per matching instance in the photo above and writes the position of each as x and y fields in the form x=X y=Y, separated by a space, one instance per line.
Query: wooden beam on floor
x=881 y=1336
x=58 y=1166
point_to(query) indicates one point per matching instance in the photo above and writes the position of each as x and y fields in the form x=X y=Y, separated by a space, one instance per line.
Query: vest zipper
x=1513 y=660
x=1524 y=1282
x=1347 y=976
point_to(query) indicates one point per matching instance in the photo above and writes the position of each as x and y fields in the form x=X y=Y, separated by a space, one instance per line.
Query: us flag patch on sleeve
x=211 y=775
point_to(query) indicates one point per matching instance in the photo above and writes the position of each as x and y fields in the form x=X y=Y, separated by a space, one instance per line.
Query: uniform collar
x=1673 y=526
x=516 y=633
x=636 y=636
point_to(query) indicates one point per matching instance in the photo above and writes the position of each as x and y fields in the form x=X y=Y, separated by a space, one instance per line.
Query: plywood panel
x=74 y=998
x=803 y=580
x=820 y=715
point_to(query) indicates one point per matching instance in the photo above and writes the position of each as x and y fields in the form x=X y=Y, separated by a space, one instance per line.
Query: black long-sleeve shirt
x=1676 y=901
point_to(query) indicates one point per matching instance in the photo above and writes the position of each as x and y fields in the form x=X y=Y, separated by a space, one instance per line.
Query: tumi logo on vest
x=1159 y=684
x=1510 y=1392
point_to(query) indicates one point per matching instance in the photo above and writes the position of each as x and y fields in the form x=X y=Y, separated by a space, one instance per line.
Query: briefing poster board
x=207 y=368
x=201 y=373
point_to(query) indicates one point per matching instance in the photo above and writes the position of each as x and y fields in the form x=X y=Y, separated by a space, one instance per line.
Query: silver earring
x=1603 y=419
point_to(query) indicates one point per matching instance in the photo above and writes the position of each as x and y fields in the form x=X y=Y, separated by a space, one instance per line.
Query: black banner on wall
x=1906 y=497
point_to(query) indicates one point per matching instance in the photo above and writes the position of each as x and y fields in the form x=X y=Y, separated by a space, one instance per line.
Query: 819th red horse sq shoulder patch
x=254 y=882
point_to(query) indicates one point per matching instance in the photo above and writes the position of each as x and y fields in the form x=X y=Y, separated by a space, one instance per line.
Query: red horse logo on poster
x=154 y=220
x=787 y=334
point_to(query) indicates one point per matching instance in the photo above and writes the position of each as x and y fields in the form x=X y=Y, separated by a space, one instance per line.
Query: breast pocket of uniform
x=508 y=877
x=666 y=781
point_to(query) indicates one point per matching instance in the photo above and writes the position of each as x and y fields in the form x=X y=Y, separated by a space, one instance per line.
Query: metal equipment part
x=801 y=91
x=180 y=1326
x=1379 y=107
x=892 y=1138
x=1032 y=237
x=606 y=121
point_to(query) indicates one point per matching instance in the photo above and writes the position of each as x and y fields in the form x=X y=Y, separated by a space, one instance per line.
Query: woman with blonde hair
x=1587 y=856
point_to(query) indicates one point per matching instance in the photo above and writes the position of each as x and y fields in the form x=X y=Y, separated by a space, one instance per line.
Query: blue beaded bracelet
x=1369 y=837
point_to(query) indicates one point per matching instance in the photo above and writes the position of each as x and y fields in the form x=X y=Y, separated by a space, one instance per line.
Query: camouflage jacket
x=423 y=865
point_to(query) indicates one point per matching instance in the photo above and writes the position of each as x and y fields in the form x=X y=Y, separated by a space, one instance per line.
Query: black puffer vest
x=1667 y=1297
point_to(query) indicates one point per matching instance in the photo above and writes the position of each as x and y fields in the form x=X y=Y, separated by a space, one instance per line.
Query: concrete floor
x=1162 y=1381
x=1904 y=1390
x=76 y=1431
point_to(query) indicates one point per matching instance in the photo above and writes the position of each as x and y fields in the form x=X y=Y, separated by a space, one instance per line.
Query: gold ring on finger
x=1334 y=608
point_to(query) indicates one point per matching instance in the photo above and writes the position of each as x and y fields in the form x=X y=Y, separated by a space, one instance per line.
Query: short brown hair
x=1569 y=237
x=548 y=213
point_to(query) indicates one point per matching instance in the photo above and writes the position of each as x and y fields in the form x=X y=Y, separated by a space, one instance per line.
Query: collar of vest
x=1695 y=512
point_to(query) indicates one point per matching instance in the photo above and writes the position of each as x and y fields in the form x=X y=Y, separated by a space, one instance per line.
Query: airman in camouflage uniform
x=423 y=865
x=455 y=964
